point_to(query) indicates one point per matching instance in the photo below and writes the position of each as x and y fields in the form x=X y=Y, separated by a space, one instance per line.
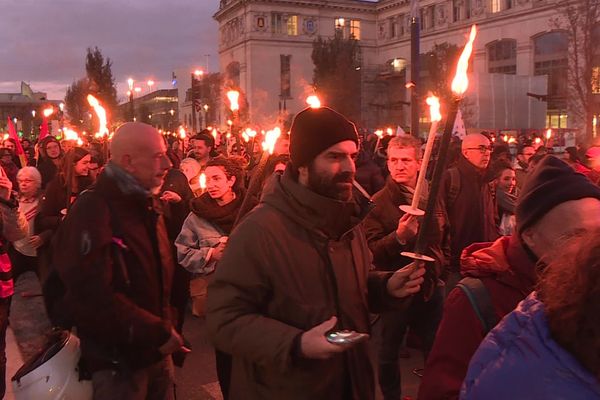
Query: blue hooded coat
x=519 y=360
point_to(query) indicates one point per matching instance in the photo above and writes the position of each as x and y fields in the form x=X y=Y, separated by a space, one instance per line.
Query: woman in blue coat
x=549 y=346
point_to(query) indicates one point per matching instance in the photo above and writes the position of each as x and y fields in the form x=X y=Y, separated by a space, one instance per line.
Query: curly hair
x=570 y=289
x=232 y=167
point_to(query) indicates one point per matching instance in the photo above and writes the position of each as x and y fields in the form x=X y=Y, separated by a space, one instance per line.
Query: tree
x=98 y=82
x=580 y=20
x=76 y=105
x=337 y=76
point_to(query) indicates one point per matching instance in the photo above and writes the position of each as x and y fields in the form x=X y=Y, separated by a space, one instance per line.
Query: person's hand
x=218 y=252
x=35 y=241
x=314 y=344
x=170 y=197
x=408 y=226
x=407 y=280
x=172 y=345
x=5 y=186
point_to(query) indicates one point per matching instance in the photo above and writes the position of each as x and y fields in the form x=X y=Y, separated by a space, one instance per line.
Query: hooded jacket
x=519 y=359
x=509 y=275
x=295 y=260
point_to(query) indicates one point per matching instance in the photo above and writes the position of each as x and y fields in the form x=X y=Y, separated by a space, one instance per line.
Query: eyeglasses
x=482 y=149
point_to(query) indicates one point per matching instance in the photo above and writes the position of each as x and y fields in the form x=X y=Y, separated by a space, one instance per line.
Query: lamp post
x=130 y=94
x=204 y=114
x=197 y=74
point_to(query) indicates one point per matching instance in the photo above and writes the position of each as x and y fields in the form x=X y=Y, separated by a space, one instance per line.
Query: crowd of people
x=124 y=241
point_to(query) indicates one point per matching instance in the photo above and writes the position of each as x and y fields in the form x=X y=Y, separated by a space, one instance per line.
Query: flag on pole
x=400 y=131
x=44 y=131
x=12 y=133
x=459 y=129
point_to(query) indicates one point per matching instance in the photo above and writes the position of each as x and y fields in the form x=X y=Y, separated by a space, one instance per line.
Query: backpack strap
x=480 y=300
x=454 y=187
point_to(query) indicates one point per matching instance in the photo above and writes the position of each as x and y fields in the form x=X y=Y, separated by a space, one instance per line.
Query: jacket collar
x=469 y=170
x=328 y=217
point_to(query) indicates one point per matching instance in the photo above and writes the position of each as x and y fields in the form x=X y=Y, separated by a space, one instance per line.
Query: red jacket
x=509 y=275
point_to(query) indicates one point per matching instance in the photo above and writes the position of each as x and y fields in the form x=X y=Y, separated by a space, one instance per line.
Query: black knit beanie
x=553 y=182
x=316 y=129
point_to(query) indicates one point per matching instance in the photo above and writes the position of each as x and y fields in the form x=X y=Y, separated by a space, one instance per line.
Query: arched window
x=502 y=56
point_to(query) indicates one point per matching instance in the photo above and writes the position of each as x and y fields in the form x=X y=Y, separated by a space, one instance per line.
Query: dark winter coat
x=369 y=175
x=381 y=224
x=120 y=307
x=47 y=169
x=509 y=275
x=472 y=215
x=519 y=359
x=296 y=260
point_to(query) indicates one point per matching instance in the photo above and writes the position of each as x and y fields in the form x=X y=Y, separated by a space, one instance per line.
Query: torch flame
x=182 y=132
x=313 y=101
x=245 y=137
x=270 y=140
x=48 y=112
x=538 y=140
x=70 y=134
x=505 y=138
x=214 y=133
x=434 y=108
x=202 y=181
x=548 y=133
x=233 y=96
x=101 y=113
x=390 y=131
x=460 y=83
x=379 y=133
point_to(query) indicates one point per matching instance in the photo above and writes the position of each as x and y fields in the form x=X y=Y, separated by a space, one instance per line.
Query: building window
x=596 y=80
x=502 y=57
x=496 y=6
x=276 y=23
x=401 y=22
x=455 y=10
x=340 y=23
x=467 y=9
x=355 y=29
x=286 y=76
x=431 y=16
x=550 y=58
x=423 y=19
x=393 y=28
x=292 y=25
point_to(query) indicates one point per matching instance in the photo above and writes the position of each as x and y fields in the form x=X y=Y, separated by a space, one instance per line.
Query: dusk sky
x=44 y=41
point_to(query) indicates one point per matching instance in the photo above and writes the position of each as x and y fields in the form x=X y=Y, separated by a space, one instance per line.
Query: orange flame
x=505 y=138
x=460 y=83
x=379 y=133
x=182 y=133
x=245 y=137
x=101 y=113
x=434 y=108
x=202 y=181
x=48 y=112
x=270 y=140
x=538 y=140
x=70 y=134
x=214 y=133
x=548 y=133
x=390 y=131
x=313 y=101
x=233 y=96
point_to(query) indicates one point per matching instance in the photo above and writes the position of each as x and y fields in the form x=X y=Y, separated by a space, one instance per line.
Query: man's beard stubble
x=328 y=185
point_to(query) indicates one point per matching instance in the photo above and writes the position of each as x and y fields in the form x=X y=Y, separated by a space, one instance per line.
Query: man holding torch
x=290 y=300
x=391 y=231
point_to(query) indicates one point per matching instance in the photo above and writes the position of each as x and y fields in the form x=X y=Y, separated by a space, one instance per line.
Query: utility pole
x=414 y=67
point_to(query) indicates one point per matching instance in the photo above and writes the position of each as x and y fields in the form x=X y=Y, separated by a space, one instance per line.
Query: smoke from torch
x=460 y=83
x=101 y=113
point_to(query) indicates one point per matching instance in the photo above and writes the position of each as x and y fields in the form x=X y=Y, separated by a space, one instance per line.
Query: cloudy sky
x=43 y=42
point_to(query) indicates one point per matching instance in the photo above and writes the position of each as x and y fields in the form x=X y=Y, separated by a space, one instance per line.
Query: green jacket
x=297 y=259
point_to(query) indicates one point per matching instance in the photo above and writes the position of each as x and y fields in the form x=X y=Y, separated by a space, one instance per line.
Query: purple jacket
x=520 y=360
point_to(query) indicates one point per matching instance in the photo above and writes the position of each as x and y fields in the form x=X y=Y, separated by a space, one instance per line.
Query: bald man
x=113 y=256
x=467 y=198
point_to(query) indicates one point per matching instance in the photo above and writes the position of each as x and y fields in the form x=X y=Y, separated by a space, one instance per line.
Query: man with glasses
x=468 y=202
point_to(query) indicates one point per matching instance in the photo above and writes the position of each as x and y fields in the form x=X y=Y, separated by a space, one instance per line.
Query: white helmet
x=54 y=373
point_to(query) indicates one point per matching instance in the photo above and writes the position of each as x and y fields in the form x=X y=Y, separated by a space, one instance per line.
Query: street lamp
x=196 y=75
x=130 y=94
x=150 y=84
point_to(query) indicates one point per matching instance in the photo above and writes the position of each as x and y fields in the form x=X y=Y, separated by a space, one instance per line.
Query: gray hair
x=33 y=173
x=403 y=142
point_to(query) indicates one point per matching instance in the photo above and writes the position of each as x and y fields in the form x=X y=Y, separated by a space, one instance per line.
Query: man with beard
x=297 y=268
x=116 y=264
x=201 y=146
x=389 y=232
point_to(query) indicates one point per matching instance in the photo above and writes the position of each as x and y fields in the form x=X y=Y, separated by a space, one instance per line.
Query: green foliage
x=99 y=82
x=337 y=76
